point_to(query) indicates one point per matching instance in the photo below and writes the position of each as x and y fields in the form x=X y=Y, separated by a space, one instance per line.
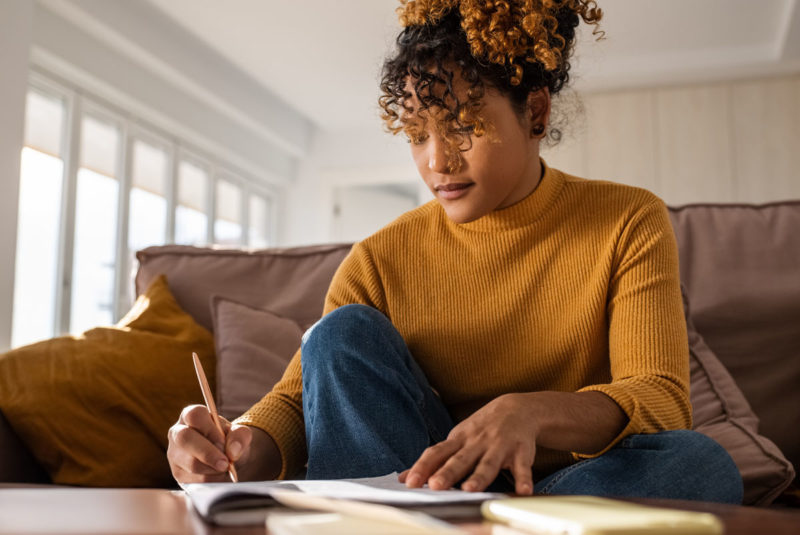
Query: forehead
x=434 y=96
x=434 y=82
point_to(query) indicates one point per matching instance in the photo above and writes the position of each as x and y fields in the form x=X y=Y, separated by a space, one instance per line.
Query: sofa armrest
x=17 y=464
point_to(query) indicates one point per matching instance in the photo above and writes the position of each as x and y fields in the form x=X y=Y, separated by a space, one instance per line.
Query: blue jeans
x=369 y=410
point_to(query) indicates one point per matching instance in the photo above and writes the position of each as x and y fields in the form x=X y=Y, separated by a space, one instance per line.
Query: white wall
x=363 y=210
x=16 y=22
x=338 y=159
x=735 y=141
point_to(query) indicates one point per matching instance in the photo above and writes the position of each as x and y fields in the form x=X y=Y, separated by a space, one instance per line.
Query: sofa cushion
x=720 y=411
x=289 y=282
x=741 y=268
x=253 y=349
x=17 y=465
x=95 y=409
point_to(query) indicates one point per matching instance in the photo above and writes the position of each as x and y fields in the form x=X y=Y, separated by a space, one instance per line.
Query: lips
x=453 y=186
x=453 y=190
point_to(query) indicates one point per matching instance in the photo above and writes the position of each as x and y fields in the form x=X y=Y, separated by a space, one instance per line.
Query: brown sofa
x=740 y=265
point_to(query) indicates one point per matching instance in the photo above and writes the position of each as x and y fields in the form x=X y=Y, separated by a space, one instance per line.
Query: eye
x=417 y=139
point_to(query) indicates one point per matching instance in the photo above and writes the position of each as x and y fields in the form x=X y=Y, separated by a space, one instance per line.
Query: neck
x=528 y=184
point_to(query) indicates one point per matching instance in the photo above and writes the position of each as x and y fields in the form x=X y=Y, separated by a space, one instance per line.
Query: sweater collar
x=523 y=213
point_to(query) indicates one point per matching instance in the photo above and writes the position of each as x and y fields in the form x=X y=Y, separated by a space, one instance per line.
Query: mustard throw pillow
x=95 y=409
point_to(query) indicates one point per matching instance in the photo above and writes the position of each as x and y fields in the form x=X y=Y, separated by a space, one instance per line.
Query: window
x=228 y=222
x=41 y=177
x=259 y=214
x=191 y=221
x=147 y=217
x=96 y=214
x=96 y=185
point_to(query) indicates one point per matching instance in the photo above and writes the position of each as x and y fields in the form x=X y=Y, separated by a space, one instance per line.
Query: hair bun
x=508 y=32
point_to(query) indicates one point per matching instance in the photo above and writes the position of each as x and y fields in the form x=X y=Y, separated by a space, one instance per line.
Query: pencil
x=212 y=407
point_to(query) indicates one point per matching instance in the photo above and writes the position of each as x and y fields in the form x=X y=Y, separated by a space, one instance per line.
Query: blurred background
x=254 y=123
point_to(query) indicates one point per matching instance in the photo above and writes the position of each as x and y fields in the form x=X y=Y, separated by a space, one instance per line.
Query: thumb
x=238 y=440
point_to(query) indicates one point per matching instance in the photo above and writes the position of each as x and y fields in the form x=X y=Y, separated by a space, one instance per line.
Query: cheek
x=421 y=162
x=509 y=160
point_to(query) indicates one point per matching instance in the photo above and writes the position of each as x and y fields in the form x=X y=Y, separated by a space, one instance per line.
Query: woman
x=524 y=326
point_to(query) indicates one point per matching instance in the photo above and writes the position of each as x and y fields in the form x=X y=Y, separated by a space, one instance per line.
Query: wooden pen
x=212 y=408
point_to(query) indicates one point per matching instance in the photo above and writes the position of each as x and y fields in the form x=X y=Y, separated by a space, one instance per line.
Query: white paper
x=385 y=489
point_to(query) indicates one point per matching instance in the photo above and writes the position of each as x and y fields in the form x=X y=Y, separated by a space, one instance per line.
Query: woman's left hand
x=501 y=434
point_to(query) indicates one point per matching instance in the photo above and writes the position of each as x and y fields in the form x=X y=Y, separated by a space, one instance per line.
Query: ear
x=539 y=110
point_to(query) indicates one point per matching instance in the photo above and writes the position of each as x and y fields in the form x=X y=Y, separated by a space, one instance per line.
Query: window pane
x=228 y=222
x=147 y=221
x=41 y=177
x=44 y=120
x=99 y=146
x=95 y=227
x=190 y=213
x=37 y=247
x=258 y=235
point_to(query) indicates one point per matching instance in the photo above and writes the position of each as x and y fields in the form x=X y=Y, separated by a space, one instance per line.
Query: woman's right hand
x=198 y=453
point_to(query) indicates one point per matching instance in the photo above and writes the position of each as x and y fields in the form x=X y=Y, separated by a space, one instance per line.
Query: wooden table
x=62 y=510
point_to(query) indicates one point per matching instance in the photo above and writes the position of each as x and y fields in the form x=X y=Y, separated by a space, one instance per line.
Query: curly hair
x=514 y=46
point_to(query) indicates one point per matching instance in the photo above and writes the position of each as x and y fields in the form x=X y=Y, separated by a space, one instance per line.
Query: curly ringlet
x=514 y=46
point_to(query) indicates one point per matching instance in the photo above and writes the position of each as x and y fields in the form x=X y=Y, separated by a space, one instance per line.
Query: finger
x=486 y=471
x=192 y=452
x=521 y=470
x=198 y=417
x=182 y=476
x=401 y=477
x=459 y=465
x=224 y=424
x=238 y=442
x=430 y=461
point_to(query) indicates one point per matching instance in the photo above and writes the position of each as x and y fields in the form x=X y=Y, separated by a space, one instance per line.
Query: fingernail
x=525 y=489
x=235 y=450
x=413 y=480
x=436 y=482
x=222 y=465
x=469 y=486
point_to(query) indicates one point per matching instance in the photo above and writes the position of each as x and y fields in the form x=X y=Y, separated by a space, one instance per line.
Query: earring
x=538 y=130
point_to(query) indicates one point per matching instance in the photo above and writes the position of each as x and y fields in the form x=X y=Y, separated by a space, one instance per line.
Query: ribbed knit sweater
x=575 y=288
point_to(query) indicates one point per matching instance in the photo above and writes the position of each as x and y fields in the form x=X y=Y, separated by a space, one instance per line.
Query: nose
x=437 y=155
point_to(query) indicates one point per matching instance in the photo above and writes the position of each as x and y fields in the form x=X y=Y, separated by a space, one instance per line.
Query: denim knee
x=367 y=406
x=708 y=469
x=348 y=326
x=678 y=464
x=720 y=466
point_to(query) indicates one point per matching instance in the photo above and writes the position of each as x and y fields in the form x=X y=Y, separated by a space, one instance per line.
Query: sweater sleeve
x=280 y=412
x=648 y=343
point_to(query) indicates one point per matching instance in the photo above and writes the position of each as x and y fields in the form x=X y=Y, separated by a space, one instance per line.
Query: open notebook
x=250 y=502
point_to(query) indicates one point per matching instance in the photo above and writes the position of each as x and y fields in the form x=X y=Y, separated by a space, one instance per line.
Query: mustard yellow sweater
x=574 y=288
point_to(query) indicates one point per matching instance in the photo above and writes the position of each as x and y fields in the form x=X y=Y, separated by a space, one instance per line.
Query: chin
x=460 y=216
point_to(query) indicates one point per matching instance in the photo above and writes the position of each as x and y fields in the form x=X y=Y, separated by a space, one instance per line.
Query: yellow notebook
x=589 y=515
x=345 y=524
